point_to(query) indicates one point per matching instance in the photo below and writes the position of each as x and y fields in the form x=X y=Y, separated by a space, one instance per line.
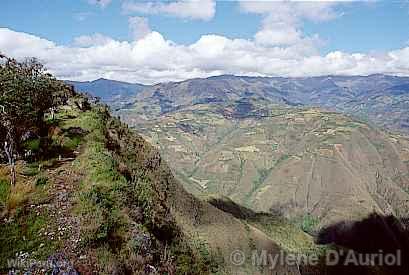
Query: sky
x=159 y=41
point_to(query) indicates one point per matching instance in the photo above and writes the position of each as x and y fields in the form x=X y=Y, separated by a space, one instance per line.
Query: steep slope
x=297 y=161
x=125 y=212
x=196 y=220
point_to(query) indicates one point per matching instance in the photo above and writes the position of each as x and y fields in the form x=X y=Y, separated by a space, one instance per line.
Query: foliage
x=32 y=144
x=27 y=92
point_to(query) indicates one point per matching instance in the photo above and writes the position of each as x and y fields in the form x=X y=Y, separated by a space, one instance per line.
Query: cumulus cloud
x=282 y=22
x=187 y=9
x=154 y=59
x=139 y=27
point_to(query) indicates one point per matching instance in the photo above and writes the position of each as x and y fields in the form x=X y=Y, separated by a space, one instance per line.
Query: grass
x=31 y=188
x=100 y=197
x=4 y=191
x=19 y=195
x=70 y=143
x=288 y=236
x=194 y=257
x=105 y=195
x=22 y=234
x=31 y=169
x=308 y=223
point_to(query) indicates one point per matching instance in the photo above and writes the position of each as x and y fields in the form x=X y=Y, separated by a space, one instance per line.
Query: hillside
x=297 y=161
x=82 y=193
x=379 y=99
x=109 y=204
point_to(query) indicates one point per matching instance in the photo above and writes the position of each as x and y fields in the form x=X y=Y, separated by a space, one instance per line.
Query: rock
x=61 y=265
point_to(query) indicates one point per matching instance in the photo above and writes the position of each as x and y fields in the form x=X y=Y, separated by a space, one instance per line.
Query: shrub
x=41 y=181
x=32 y=145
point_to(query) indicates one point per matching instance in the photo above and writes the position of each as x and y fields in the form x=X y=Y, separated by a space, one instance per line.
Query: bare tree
x=9 y=143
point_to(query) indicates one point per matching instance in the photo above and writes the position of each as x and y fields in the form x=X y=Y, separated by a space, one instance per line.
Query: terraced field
x=295 y=161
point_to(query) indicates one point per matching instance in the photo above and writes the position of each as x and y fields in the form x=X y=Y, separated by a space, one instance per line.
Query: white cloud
x=154 y=59
x=282 y=22
x=101 y=3
x=91 y=40
x=139 y=27
x=187 y=9
x=291 y=11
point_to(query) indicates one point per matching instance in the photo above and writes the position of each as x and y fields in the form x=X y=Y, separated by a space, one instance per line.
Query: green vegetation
x=105 y=195
x=126 y=206
x=100 y=197
x=23 y=235
x=288 y=236
x=308 y=223
x=32 y=145
x=262 y=176
x=4 y=192
x=31 y=169
x=282 y=159
x=27 y=93
x=41 y=181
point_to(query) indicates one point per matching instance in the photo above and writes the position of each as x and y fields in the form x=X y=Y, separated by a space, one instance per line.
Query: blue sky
x=370 y=28
x=376 y=26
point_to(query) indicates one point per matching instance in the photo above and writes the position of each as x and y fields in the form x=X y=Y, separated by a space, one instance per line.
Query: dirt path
x=64 y=181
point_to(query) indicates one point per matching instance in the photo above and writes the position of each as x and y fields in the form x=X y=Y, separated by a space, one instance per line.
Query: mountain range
x=200 y=177
x=379 y=99
x=110 y=91
x=333 y=148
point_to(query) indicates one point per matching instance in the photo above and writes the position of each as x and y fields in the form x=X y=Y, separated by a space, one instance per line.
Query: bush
x=32 y=145
x=41 y=181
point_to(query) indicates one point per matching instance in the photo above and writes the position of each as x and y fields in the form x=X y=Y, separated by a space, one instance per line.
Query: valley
x=262 y=143
x=91 y=192
x=295 y=161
